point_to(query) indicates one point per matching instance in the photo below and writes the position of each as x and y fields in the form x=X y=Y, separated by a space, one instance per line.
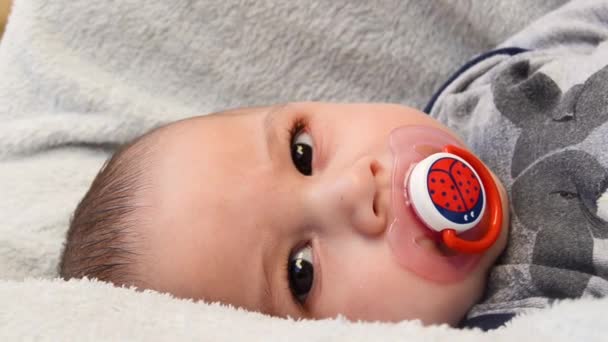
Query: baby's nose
x=353 y=197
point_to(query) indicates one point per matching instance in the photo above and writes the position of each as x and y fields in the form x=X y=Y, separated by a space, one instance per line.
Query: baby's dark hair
x=101 y=240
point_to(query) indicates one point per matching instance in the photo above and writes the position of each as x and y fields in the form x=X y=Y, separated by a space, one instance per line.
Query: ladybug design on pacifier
x=448 y=193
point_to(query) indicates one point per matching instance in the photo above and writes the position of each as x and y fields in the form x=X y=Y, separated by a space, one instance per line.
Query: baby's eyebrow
x=268 y=124
x=269 y=120
x=267 y=298
x=271 y=116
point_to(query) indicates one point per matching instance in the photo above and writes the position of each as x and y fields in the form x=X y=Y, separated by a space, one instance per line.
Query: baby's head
x=280 y=209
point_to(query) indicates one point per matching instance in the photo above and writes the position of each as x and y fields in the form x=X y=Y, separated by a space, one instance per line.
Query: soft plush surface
x=82 y=310
x=80 y=77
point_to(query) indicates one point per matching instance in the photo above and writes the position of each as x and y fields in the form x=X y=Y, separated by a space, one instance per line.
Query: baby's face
x=285 y=210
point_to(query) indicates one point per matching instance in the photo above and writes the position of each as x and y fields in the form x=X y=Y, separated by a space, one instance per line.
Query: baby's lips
x=410 y=145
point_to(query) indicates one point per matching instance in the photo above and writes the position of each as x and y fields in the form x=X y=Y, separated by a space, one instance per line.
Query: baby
x=282 y=209
x=290 y=209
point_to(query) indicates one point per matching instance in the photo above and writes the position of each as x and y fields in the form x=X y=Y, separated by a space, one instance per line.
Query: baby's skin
x=285 y=210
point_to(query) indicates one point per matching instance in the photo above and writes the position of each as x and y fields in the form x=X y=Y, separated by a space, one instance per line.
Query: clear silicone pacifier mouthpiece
x=446 y=206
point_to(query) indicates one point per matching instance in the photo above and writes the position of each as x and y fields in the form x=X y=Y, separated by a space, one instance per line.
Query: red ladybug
x=446 y=192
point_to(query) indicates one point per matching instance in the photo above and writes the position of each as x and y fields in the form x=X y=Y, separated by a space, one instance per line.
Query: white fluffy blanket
x=78 y=77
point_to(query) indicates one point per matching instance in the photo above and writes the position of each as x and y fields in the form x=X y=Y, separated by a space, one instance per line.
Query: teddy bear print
x=548 y=119
x=556 y=197
x=555 y=190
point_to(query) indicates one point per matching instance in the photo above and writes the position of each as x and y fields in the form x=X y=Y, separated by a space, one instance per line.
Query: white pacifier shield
x=464 y=193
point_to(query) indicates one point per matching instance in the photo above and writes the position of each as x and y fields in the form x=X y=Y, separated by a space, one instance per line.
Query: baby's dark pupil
x=300 y=278
x=301 y=154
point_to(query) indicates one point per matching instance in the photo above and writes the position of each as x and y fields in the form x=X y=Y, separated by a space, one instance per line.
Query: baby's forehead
x=208 y=151
x=203 y=122
x=195 y=197
x=246 y=110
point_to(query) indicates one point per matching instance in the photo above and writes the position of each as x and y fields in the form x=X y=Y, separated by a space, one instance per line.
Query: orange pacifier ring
x=449 y=236
x=450 y=192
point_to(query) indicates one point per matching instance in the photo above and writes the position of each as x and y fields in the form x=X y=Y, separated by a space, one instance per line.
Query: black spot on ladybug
x=442 y=180
x=476 y=188
x=454 y=198
x=447 y=205
x=432 y=192
x=468 y=182
x=467 y=191
x=452 y=187
x=443 y=193
x=459 y=207
x=460 y=183
x=471 y=200
x=432 y=180
x=458 y=172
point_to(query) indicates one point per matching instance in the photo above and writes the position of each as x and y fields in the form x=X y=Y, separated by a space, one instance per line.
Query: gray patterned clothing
x=539 y=119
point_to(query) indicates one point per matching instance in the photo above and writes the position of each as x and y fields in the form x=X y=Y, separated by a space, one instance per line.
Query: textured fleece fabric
x=539 y=120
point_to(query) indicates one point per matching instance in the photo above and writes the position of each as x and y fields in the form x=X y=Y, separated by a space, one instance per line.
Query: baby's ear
x=566 y=109
x=522 y=96
x=590 y=104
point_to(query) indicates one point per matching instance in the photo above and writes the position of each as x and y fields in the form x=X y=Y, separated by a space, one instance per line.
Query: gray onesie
x=536 y=112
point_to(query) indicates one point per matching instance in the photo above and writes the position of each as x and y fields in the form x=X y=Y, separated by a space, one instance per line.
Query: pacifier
x=446 y=206
x=449 y=196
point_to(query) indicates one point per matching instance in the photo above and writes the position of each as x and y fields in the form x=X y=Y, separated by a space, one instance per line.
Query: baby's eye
x=301 y=152
x=300 y=272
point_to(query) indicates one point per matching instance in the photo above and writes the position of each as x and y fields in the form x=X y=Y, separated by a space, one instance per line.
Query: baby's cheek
x=364 y=282
x=360 y=286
